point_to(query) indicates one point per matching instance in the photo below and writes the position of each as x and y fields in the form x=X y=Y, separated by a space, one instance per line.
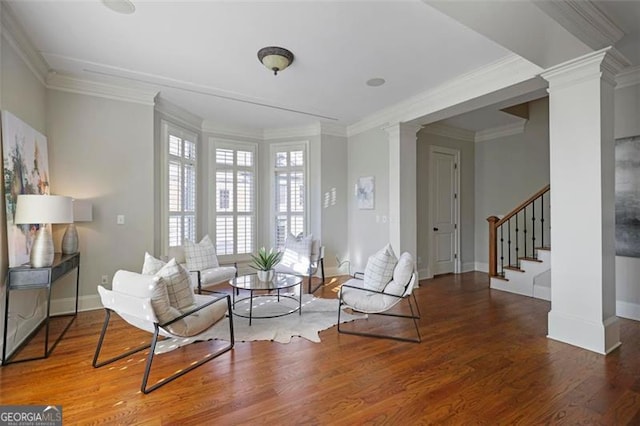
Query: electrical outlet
x=120 y=219
x=105 y=279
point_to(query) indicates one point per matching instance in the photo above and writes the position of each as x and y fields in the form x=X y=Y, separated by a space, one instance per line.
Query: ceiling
x=202 y=55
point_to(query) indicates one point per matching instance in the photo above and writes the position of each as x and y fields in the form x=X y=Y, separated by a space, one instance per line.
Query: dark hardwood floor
x=484 y=359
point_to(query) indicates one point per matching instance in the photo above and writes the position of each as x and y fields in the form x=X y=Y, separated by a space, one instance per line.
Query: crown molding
x=585 y=20
x=82 y=86
x=628 y=77
x=13 y=33
x=315 y=129
x=604 y=63
x=505 y=72
x=500 y=131
x=177 y=113
x=223 y=131
x=452 y=132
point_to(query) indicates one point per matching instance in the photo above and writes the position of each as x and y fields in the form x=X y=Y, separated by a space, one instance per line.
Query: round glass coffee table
x=253 y=285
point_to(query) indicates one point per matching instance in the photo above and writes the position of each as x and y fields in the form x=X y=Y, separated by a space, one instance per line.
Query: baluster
x=517 y=242
x=501 y=251
x=533 y=226
x=524 y=238
x=542 y=219
x=509 y=242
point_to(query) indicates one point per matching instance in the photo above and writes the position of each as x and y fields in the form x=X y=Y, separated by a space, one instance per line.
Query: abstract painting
x=26 y=171
x=365 y=192
x=628 y=197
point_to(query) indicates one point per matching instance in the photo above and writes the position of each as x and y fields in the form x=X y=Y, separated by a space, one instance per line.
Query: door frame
x=457 y=264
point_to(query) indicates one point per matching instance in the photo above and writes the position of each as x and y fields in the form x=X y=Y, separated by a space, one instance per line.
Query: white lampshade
x=39 y=209
x=82 y=211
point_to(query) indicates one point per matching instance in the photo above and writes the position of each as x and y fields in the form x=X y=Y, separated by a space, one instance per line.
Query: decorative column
x=403 y=228
x=582 y=177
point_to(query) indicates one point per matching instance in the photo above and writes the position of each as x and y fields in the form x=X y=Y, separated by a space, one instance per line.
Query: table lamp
x=43 y=210
x=81 y=213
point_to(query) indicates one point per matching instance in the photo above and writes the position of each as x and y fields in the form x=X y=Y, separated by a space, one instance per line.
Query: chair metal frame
x=415 y=315
x=154 y=341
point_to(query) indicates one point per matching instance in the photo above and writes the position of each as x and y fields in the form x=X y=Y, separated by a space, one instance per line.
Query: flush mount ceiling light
x=120 y=6
x=376 y=82
x=275 y=58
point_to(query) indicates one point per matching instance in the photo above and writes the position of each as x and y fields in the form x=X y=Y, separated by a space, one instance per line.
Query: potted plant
x=264 y=262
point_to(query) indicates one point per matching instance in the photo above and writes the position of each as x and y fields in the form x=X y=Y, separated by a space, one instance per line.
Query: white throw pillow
x=151 y=265
x=379 y=270
x=297 y=253
x=146 y=286
x=178 y=285
x=404 y=269
x=200 y=255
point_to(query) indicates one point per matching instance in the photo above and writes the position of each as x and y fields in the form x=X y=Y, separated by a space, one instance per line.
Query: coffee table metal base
x=272 y=288
x=253 y=296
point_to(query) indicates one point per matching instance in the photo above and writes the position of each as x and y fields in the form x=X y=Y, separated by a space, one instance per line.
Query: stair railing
x=519 y=233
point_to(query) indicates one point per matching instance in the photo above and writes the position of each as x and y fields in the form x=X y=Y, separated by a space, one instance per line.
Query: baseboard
x=67 y=305
x=468 y=267
x=481 y=267
x=628 y=310
x=423 y=274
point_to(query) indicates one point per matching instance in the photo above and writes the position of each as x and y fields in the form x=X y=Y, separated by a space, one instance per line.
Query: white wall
x=25 y=96
x=334 y=164
x=102 y=150
x=467 y=197
x=508 y=170
x=368 y=154
x=627 y=124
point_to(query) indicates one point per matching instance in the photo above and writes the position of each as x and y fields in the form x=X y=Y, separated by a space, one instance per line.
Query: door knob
x=435 y=229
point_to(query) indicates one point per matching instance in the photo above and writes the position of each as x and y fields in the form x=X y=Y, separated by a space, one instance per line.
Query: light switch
x=120 y=219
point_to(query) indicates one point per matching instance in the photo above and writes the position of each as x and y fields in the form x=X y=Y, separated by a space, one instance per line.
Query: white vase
x=42 y=249
x=70 y=240
x=266 y=275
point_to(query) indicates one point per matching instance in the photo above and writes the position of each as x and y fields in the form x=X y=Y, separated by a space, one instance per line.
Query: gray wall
x=368 y=154
x=508 y=170
x=334 y=164
x=102 y=150
x=467 y=197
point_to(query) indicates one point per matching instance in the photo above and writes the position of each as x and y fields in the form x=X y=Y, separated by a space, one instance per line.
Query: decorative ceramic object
x=42 y=249
x=70 y=240
x=266 y=275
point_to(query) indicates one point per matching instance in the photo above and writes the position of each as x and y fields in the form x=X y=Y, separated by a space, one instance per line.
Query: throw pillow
x=146 y=286
x=200 y=255
x=379 y=270
x=297 y=252
x=178 y=285
x=151 y=265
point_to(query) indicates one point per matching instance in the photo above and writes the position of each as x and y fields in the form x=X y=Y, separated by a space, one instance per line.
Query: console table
x=26 y=277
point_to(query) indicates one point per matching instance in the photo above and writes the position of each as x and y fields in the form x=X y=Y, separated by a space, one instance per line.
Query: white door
x=444 y=210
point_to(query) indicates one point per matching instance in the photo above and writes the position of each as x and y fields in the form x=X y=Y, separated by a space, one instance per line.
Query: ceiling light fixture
x=275 y=58
x=375 y=82
x=120 y=6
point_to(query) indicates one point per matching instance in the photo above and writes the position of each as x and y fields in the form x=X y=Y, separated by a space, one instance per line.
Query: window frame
x=279 y=147
x=171 y=129
x=218 y=143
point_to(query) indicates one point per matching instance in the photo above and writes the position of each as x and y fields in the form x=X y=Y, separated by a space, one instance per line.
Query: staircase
x=532 y=278
x=519 y=255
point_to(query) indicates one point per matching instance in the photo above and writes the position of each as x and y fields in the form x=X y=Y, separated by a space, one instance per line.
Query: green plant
x=265 y=260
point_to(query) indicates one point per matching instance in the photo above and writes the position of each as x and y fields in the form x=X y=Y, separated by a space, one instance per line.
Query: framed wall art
x=627 y=193
x=26 y=171
x=365 y=192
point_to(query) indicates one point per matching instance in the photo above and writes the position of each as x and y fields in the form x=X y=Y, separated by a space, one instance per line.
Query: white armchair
x=143 y=301
x=201 y=261
x=379 y=298
x=302 y=256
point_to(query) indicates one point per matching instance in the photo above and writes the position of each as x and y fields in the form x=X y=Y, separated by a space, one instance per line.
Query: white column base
x=595 y=336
